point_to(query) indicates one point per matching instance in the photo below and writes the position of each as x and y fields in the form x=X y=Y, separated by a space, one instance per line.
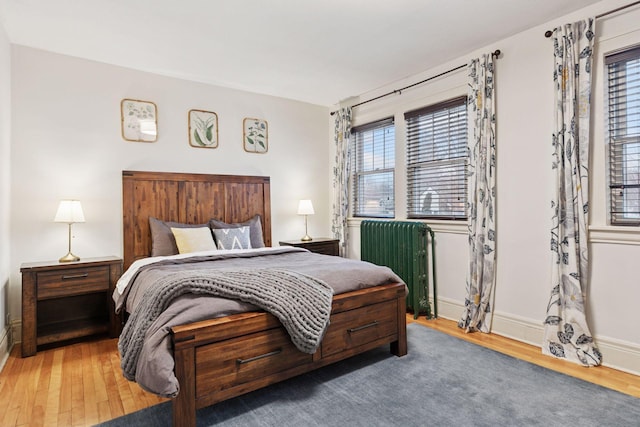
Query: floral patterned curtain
x=481 y=197
x=566 y=333
x=341 y=172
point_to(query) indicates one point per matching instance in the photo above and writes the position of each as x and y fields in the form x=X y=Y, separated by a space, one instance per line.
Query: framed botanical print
x=139 y=120
x=203 y=129
x=255 y=135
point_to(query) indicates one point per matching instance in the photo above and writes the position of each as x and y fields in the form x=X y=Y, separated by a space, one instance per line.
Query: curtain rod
x=495 y=53
x=549 y=33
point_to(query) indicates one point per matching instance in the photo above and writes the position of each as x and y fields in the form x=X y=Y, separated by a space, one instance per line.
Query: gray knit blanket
x=302 y=303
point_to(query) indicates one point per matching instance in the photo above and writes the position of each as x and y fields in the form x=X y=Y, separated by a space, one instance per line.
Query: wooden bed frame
x=222 y=358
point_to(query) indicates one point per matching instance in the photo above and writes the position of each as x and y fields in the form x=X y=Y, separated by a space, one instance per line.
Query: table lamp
x=69 y=211
x=305 y=207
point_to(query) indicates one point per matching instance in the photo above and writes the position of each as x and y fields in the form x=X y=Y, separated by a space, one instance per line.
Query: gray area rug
x=443 y=381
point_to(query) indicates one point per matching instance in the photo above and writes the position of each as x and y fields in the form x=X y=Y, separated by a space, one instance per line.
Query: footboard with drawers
x=222 y=358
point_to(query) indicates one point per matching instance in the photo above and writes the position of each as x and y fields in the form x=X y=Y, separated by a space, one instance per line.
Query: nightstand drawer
x=76 y=281
x=325 y=248
x=321 y=245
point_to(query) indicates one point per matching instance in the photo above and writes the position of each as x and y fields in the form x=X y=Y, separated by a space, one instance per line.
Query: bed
x=224 y=357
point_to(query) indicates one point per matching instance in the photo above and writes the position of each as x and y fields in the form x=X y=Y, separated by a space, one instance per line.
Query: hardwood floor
x=76 y=385
x=82 y=384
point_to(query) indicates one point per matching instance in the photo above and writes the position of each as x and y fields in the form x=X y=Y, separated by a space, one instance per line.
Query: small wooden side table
x=63 y=301
x=320 y=245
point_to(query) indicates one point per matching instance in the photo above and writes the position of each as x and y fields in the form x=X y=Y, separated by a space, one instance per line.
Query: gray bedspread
x=155 y=365
x=301 y=303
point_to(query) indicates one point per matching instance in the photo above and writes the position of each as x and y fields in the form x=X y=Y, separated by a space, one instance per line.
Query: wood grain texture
x=231 y=362
x=202 y=200
x=371 y=322
x=184 y=405
x=74 y=385
x=28 y=313
x=63 y=301
x=188 y=198
x=317 y=245
x=54 y=284
x=361 y=320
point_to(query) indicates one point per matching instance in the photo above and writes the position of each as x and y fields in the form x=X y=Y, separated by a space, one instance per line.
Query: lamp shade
x=305 y=207
x=69 y=211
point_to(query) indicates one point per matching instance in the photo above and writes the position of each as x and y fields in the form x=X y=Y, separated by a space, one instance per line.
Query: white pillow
x=193 y=239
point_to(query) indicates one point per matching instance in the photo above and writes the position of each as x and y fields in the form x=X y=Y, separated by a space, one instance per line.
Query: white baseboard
x=5 y=345
x=616 y=354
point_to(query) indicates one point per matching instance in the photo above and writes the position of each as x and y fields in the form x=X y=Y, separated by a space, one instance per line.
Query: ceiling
x=320 y=52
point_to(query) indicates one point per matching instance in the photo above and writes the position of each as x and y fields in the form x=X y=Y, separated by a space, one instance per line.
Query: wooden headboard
x=188 y=198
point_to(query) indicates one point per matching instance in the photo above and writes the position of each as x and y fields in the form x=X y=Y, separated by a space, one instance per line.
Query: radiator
x=402 y=246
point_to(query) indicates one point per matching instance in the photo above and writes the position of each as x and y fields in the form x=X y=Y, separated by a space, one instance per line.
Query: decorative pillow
x=254 y=224
x=163 y=241
x=193 y=239
x=233 y=238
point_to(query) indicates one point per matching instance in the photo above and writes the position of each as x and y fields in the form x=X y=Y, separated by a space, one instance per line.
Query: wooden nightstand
x=320 y=245
x=63 y=301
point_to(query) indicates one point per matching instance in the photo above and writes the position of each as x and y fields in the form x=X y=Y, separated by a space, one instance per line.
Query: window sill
x=597 y=234
x=613 y=234
x=437 y=225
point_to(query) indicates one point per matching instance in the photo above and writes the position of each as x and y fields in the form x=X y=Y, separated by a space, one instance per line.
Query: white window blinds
x=373 y=159
x=437 y=160
x=624 y=136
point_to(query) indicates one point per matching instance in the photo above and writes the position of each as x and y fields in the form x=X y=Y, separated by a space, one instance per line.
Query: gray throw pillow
x=163 y=242
x=232 y=238
x=255 y=228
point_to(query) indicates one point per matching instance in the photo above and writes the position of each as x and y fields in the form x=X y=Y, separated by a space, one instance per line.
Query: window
x=437 y=160
x=373 y=167
x=624 y=136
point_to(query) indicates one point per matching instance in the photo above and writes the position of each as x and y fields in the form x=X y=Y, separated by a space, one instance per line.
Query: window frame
x=412 y=164
x=618 y=140
x=357 y=147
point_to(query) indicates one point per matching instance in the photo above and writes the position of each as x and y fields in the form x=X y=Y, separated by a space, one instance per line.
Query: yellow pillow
x=193 y=239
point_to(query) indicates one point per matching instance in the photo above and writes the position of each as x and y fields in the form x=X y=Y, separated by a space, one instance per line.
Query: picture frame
x=139 y=120
x=255 y=136
x=203 y=129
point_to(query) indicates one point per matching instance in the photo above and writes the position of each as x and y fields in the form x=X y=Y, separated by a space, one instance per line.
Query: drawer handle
x=75 y=276
x=359 y=328
x=262 y=356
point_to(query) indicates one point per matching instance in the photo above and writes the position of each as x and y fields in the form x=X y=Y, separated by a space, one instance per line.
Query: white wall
x=5 y=167
x=67 y=144
x=524 y=127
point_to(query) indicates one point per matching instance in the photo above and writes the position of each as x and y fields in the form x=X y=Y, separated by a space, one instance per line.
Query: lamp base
x=306 y=238
x=69 y=258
